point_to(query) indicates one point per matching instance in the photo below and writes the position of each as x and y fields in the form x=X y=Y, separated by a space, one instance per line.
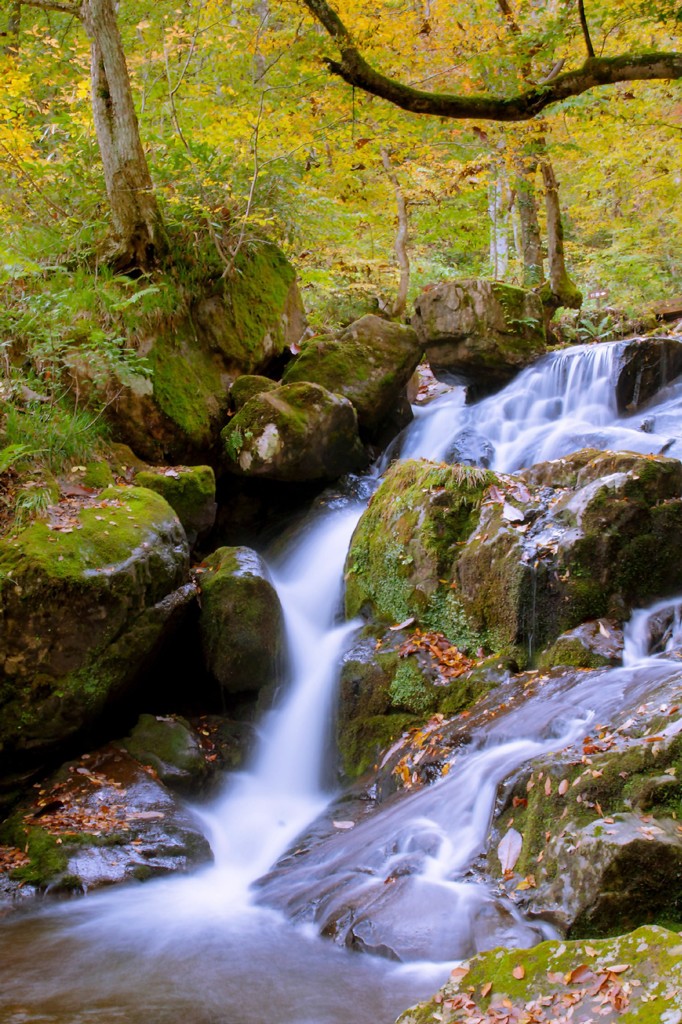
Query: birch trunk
x=401 y=238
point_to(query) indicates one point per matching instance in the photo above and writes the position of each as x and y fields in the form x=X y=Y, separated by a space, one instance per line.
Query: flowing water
x=208 y=949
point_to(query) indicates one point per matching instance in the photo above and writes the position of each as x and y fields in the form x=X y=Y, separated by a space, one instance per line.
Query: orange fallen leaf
x=519 y=972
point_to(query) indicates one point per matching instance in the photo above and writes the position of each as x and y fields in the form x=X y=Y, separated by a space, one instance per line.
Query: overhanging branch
x=596 y=71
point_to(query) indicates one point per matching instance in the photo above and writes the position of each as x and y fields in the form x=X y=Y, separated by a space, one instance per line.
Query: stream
x=212 y=947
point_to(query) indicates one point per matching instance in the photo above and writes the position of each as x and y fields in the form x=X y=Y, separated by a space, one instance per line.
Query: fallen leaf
x=343 y=824
x=511 y=514
x=519 y=972
x=402 y=625
x=563 y=787
x=617 y=968
x=457 y=973
x=579 y=974
x=509 y=849
x=485 y=989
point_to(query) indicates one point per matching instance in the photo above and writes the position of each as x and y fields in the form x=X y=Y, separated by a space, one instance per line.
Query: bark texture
x=137 y=221
x=560 y=290
x=354 y=69
x=401 y=238
x=531 y=238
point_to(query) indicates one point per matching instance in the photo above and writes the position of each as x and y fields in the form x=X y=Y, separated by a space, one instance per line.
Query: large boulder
x=196 y=339
x=296 y=433
x=493 y=562
x=369 y=363
x=172 y=748
x=644 y=367
x=637 y=976
x=83 y=608
x=97 y=821
x=241 y=621
x=401 y=556
x=597 y=825
x=482 y=330
x=190 y=492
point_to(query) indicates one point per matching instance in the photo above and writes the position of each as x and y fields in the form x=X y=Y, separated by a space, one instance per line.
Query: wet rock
x=638 y=976
x=471 y=449
x=297 y=433
x=601 y=842
x=607 y=877
x=590 y=645
x=370 y=363
x=172 y=748
x=241 y=622
x=483 y=330
x=102 y=820
x=84 y=607
x=190 y=492
x=646 y=365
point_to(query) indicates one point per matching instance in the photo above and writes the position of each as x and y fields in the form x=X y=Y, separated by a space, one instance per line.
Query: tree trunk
x=559 y=290
x=531 y=239
x=401 y=238
x=140 y=235
x=498 y=212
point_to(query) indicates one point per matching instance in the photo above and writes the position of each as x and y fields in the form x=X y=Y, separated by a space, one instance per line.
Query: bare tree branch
x=55 y=5
x=584 y=27
x=596 y=71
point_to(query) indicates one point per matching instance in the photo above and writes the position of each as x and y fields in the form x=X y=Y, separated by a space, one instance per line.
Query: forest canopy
x=272 y=117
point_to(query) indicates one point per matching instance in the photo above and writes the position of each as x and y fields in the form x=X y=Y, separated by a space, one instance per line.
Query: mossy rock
x=169 y=745
x=197 y=335
x=98 y=475
x=645 y=366
x=369 y=363
x=296 y=433
x=483 y=330
x=592 y=645
x=241 y=621
x=402 y=556
x=82 y=611
x=190 y=491
x=640 y=972
x=98 y=821
x=247 y=386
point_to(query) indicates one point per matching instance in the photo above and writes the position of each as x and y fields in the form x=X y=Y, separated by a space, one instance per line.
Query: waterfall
x=205 y=947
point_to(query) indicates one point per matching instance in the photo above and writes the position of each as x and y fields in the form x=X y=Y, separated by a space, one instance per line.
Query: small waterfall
x=265 y=807
x=653 y=630
x=564 y=402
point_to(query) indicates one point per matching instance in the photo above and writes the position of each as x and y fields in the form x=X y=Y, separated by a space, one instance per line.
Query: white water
x=564 y=402
x=198 y=948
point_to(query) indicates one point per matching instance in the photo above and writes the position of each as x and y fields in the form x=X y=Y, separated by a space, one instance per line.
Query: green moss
x=572 y=653
x=255 y=299
x=247 y=386
x=48 y=858
x=361 y=741
x=404 y=548
x=107 y=538
x=412 y=690
x=98 y=474
x=189 y=492
x=651 y=955
x=187 y=384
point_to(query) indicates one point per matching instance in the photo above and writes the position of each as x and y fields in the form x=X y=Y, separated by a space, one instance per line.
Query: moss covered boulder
x=560 y=556
x=197 y=335
x=369 y=363
x=400 y=561
x=601 y=847
x=170 y=746
x=482 y=330
x=82 y=609
x=592 y=645
x=190 y=492
x=248 y=386
x=241 y=621
x=634 y=977
x=97 y=821
x=296 y=433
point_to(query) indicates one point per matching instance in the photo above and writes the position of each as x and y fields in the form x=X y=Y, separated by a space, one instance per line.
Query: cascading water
x=200 y=947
